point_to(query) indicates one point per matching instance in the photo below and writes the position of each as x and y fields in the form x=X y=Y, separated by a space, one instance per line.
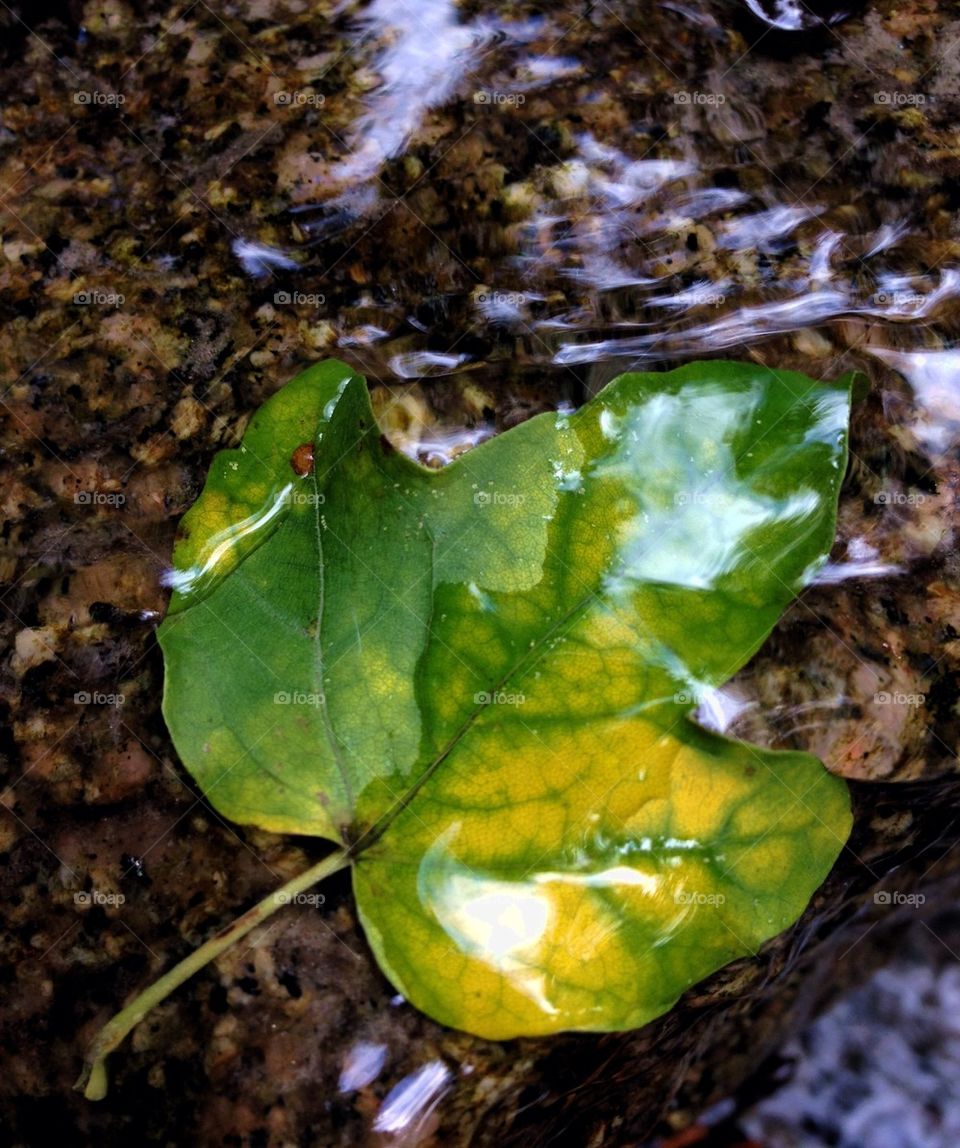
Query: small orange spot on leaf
x=302 y=459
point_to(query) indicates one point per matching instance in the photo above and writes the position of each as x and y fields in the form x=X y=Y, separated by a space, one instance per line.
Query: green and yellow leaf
x=482 y=680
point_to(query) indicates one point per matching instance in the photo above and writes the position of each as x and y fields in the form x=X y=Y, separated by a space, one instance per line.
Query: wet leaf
x=482 y=679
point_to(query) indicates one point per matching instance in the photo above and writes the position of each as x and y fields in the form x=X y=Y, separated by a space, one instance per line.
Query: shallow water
x=643 y=243
x=491 y=209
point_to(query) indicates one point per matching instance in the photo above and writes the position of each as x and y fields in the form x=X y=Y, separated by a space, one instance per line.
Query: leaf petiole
x=93 y=1078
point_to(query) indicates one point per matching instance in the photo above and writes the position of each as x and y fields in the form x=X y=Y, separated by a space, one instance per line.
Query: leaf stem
x=93 y=1078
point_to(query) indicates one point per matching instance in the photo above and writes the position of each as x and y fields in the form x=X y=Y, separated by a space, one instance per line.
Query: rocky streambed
x=490 y=210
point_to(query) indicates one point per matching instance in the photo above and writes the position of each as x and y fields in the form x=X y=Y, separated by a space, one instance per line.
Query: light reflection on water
x=362 y=1065
x=935 y=379
x=426 y=49
x=404 y=1115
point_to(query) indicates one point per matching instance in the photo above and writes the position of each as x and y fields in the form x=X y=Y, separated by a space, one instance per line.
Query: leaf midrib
x=318 y=658
x=379 y=827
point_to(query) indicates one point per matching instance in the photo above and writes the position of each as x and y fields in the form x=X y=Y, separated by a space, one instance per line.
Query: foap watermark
x=498 y=498
x=703 y=98
x=704 y=298
x=898 y=699
x=895 y=897
x=900 y=99
x=714 y=498
x=898 y=498
x=297 y=698
x=95 y=897
x=304 y=97
x=281 y=897
x=498 y=698
x=502 y=298
x=97 y=698
x=898 y=298
x=99 y=498
x=300 y=298
x=689 y=698
x=303 y=498
x=499 y=99
x=96 y=98
x=97 y=298
x=694 y=897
